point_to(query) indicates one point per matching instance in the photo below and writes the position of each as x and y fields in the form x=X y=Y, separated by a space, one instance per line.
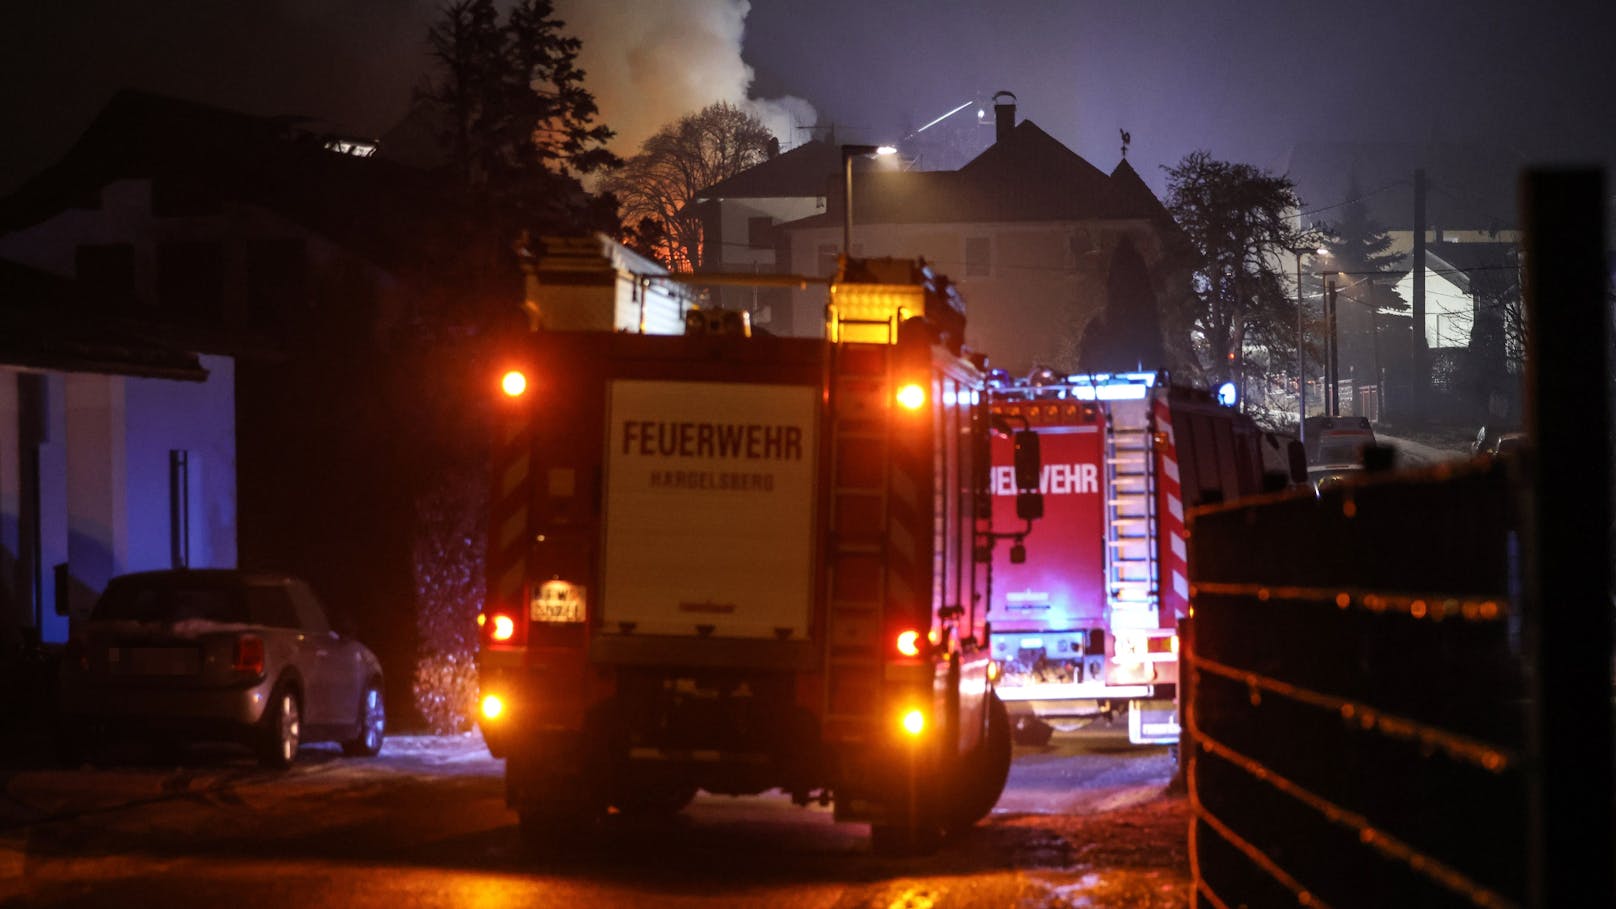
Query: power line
x=1359 y=198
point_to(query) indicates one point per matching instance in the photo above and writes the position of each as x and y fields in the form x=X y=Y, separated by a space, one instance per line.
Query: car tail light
x=249 y=655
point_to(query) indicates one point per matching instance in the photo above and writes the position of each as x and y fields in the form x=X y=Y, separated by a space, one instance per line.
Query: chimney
x=774 y=147
x=1004 y=115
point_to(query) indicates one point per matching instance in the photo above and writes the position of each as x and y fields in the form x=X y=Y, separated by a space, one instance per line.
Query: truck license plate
x=557 y=601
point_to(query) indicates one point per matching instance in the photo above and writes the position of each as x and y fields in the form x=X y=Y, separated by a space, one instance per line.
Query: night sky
x=1246 y=80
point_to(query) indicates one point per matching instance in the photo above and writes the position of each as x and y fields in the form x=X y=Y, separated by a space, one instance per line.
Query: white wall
x=198 y=418
x=97 y=511
x=1449 y=311
x=104 y=480
x=737 y=254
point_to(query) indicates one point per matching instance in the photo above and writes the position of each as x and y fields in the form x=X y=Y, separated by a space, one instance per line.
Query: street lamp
x=849 y=152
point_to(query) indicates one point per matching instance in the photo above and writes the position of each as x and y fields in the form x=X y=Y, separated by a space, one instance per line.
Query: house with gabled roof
x=305 y=259
x=117 y=453
x=1026 y=230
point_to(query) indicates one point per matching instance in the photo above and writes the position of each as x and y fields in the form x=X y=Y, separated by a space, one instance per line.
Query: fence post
x=1567 y=552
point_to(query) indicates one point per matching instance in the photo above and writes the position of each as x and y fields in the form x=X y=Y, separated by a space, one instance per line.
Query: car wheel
x=372 y=724
x=281 y=731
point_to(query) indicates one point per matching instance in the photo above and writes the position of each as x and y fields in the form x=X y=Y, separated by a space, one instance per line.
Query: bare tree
x=656 y=188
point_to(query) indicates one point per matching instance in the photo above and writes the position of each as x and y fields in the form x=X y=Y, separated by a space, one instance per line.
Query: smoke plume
x=650 y=62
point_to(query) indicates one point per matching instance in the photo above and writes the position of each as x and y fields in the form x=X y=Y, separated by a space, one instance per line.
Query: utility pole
x=1417 y=380
x=1301 y=356
x=1332 y=407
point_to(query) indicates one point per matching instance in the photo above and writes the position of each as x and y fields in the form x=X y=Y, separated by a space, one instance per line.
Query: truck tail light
x=504 y=628
x=493 y=706
x=911 y=396
x=500 y=627
x=913 y=722
x=513 y=383
x=248 y=657
x=908 y=643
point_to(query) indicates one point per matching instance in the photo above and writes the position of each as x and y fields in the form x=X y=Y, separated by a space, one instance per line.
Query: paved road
x=1084 y=822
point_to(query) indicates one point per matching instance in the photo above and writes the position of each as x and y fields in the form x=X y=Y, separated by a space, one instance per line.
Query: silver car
x=218 y=655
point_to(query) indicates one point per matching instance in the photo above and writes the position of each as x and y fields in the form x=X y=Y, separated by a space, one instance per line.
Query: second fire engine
x=1085 y=614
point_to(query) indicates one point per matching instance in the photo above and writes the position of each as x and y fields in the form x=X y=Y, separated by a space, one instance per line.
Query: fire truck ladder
x=858 y=582
x=1131 y=568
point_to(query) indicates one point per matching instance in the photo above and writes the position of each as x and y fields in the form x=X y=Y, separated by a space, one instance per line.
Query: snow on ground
x=1416 y=454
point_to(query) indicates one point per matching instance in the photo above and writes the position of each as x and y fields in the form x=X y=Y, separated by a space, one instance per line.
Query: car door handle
x=321 y=653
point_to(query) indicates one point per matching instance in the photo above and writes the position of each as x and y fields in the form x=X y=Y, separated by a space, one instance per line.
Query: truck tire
x=983 y=771
x=1032 y=731
x=655 y=800
x=915 y=826
x=903 y=840
x=551 y=828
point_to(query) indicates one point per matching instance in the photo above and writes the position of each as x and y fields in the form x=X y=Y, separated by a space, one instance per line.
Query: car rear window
x=1341 y=451
x=172 y=602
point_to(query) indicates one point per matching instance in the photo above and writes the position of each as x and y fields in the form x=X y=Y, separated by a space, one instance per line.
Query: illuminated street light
x=849 y=152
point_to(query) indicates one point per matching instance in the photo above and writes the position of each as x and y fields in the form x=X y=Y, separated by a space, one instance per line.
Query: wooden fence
x=1356 y=718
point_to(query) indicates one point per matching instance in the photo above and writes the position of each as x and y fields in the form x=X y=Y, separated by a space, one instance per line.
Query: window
x=978 y=257
x=760 y=232
x=106 y=272
x=190 y=281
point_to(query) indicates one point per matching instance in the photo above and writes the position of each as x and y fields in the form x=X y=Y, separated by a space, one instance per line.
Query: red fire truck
x=741 y=563
x=1085 y=613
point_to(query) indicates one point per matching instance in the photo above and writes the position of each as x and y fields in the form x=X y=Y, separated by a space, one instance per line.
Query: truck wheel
x=899 y=840
x=983 y=771
x=554 y=827
x=662 y=800
x=1031 y=731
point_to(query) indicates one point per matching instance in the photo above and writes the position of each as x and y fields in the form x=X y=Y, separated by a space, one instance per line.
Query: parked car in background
x=1324 y=476
x=1336 y=440
x=180 y=656
x=1490 y=437
x=1501 y=443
